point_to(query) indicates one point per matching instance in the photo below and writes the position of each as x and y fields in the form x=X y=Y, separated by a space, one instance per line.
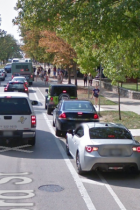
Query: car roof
x=13 y=94
x=16 y=82
x=19 y=77
x=75 y=100
x=103 y=124
x=63 y=85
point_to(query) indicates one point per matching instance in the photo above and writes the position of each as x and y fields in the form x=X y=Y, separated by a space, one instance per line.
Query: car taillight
x=91 y=148
x=12 y=76
x=80 y=113
x=25 y=88
x=95 y=116
x=51 y=98
x=5 y=89
x=2 y=74
x=31 y=75
x=33 y=121
x=62 y=116
x=136 y=149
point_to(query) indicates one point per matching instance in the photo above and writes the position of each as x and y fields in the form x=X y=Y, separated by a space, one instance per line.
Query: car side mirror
x=70 y=131
x=46 y=90
x=34 y=103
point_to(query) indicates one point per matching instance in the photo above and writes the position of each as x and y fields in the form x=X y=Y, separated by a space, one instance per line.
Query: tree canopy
x=105 y=32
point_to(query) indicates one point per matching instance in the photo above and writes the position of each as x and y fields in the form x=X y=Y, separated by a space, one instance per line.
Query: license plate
x=116 y=152
x=15 y=90
x=7 y=133
x=116 y=168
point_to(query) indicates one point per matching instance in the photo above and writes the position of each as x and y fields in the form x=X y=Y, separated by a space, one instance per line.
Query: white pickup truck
x=17 y=117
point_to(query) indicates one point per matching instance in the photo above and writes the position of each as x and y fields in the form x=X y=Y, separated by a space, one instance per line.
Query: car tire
x=32 y=141
x=78 y=164
x=57 y=132
x=67 y=148
x=49 y=111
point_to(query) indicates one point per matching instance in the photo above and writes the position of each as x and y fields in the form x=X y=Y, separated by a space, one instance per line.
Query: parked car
x=57 y=92
x=18 y=118
x=8 y=67
x=103 y=146
x=20 y=79
x=68 y=114
x=16 y=86
x=2 y=75
x=5 y=73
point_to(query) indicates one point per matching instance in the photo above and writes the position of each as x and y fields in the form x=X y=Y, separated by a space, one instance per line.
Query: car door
x=56 y=113
x=79 y=132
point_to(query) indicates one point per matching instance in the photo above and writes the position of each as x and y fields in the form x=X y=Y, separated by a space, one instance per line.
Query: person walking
x=46 y=79
x=49 y=71
x=90 y=79
x=95 y=94
x=85 y=79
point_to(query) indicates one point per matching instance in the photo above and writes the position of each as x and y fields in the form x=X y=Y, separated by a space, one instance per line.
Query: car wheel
x=67 y=148
x=49 y=111
x=32 y=141
x=78 y=164
x=57 y=132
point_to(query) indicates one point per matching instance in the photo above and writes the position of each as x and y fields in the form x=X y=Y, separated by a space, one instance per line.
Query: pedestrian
x=49 y=71
x=90 y=79
x=46 y=79
x=85 y=79
x=95 y=94
x=60 y=78
x=54 y=72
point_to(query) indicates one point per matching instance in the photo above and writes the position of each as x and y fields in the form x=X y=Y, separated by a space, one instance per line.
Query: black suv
x=57 y=92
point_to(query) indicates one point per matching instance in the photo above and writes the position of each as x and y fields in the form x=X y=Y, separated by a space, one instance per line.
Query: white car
x=2 y=75
x=17 y=117
x=103 y=146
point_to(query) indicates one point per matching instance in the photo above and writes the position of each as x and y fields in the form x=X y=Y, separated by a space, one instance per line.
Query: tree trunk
x=119 y=101
x=75 y=72
x=69 y=76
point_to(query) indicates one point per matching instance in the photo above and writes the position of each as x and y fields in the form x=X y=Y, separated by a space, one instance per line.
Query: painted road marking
x=75 y=176
x=18 y=148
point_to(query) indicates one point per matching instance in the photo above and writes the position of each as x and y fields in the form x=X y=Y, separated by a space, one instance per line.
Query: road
x=45 y=178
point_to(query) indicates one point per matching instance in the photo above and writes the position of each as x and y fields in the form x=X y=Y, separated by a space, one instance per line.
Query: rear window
x=16 y=85
x=109 y=133
x=78 y=106
x=57 y=90
x=14 y=106
x=22 y=67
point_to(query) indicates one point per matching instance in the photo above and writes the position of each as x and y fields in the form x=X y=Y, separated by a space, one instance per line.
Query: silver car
x=2 y=75
x=103 y=146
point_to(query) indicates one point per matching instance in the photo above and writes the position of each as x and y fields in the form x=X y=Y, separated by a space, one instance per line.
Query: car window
x=16 y=85
x=57 y=90
x=109 y=133
x=78 y=106
x=79 y=132
x=14 y=106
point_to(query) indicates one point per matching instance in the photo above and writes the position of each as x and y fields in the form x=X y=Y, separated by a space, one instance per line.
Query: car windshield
x=109 y=133
x=57 y=90
x=14 y=106
x=78 y=106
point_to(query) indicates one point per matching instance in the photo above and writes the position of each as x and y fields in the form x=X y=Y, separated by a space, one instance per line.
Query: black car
x=7 y=68
x=16 y=86
x=57 y=92
x=68 y=114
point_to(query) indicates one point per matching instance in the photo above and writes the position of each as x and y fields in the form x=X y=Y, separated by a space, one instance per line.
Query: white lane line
x=77 y=180
x=74 y=174
x=112 y=192
x=91 y=182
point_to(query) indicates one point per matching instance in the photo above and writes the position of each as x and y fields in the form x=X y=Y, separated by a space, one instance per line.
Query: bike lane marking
x=76 y=177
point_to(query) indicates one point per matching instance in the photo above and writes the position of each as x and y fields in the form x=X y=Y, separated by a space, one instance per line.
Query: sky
x=7 y=13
